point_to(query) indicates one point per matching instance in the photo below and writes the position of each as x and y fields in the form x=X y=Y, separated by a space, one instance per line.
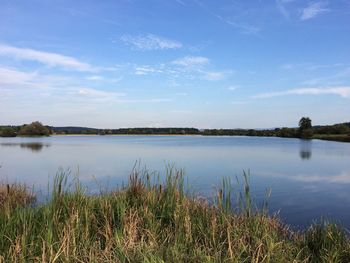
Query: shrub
x=34 y=129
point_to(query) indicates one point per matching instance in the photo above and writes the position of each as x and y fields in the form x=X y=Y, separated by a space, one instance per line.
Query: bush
x=306 y=134
x=34 y=129
x=8 y=132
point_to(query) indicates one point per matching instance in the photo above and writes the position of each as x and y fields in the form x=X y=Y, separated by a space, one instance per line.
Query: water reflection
x=308 y=179
x=342 y=178
x=33 y=146
x=305 y=149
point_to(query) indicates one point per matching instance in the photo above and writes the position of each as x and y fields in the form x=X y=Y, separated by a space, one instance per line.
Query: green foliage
x=305 y=123
x=306 y=133
x=8 y=132
x=343 y=128
x=154 y=221
x=286 y=132
x=333 y=137
x=325 y=242
x=34 y=129
x=305 y=128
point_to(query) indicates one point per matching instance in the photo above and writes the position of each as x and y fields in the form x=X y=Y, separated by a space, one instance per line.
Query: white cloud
x=150 y=42
x=232 y=88
x=12 y=76
x=214 y=75
x=181 y=94
x=313 y=10
x=340 y=91
x=49 y=59
x=94 y=77
x=239 y=102
x=282 y=8
x=16 y=79
x=145 y=70
x=181 y=2
x=148 y=100
x=96 y=95
x=190 y=61
x=244 y=28
x=89 y=92
x=196 y=67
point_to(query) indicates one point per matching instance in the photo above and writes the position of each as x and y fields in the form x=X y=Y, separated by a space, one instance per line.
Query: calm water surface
x=309 y=179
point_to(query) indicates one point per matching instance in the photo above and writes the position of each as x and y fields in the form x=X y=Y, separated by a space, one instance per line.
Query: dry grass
x=150 y=221
x=15 y=195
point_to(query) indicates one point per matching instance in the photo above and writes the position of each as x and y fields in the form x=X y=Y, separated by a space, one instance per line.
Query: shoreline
x=330 y=137
x=334 y=138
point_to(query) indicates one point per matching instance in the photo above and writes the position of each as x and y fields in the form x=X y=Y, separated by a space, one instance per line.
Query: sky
x=174 y=63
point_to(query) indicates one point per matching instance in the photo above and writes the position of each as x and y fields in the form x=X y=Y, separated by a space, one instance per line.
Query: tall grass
x=150 y=220
x=13 y=195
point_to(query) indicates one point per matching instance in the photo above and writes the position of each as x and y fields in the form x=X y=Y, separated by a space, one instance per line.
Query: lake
x=308 y=179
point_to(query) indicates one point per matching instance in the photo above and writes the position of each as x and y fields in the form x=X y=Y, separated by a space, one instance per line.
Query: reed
x=154 y=220
x=13 y=195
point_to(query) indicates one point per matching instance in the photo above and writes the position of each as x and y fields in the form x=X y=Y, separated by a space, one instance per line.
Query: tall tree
x=305 y=128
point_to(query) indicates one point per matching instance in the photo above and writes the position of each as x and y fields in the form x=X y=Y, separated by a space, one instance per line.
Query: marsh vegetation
x=154 y=220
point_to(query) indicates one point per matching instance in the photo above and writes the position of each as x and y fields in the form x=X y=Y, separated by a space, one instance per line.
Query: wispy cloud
x=95 y=93
x=239 y=102
x=215 y=75
x=181 y=94
x=46 y=58
x=26 y=80
x=94 y=78
x=244 y=28
x=15 y=84
x=145 y=70
x=190 y=61
x=281 y=7
x=232 y=88
x=181 y=2
x=13 y=76
x=313 y=10
x=150 y=42
x=340 y=91
x=197 y=67
x=146 y=100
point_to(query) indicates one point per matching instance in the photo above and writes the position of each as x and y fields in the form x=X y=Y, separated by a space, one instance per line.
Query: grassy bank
x=149 y=221
x=333 y=137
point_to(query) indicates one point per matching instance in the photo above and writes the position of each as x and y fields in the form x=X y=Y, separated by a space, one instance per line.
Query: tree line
x=34 y=129
x=304 y=130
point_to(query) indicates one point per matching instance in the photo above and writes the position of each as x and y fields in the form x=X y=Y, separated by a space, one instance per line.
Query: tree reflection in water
x=33 y=146
x=305 y=151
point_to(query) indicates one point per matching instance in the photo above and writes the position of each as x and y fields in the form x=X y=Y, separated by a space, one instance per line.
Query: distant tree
x=285 y=132
x=34 y=129
x=341 y=129
x=8 y=132
x=305 y=123
x=305 y=128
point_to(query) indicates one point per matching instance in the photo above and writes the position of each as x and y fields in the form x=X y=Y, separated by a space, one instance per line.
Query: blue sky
x=193 y=63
